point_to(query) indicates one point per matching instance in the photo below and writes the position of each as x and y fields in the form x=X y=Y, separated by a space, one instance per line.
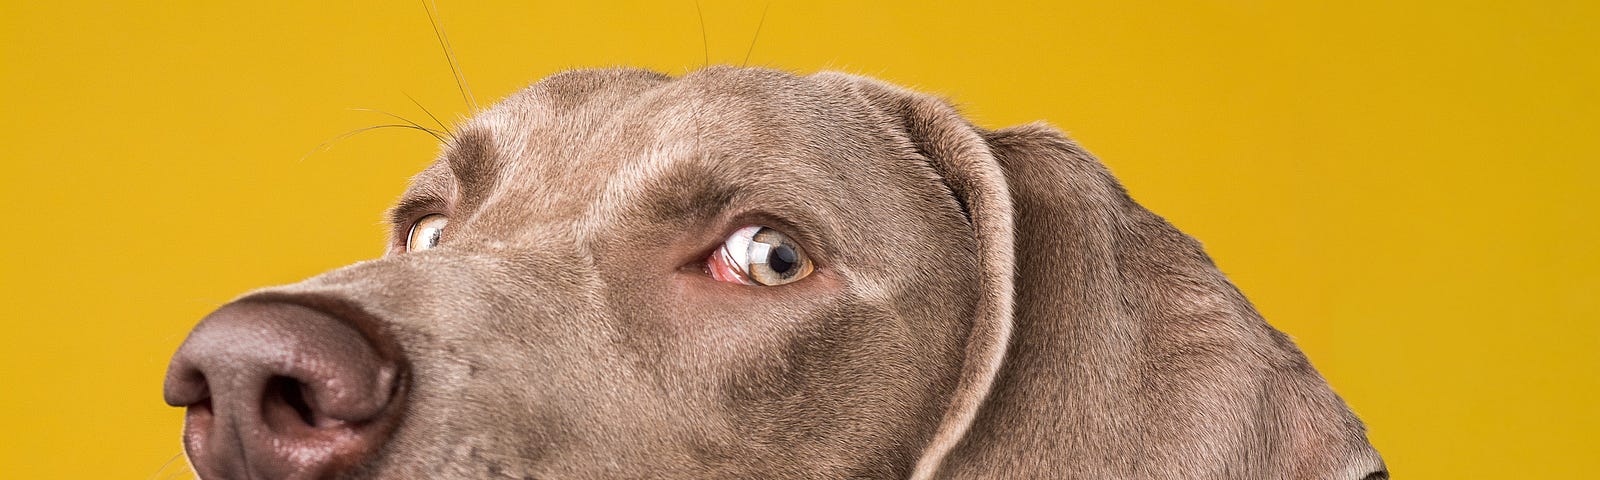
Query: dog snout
x=280 y=390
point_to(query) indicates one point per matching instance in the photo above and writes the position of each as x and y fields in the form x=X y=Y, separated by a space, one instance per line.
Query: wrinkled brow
x=695 y=192
x=475 y=164
x=687 y=190
x=469 y=171
x=430 y=192
x=467 y=168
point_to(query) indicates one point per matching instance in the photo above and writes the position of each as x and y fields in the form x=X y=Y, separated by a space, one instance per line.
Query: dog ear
x=959 y=155
x=1108 y=344
x=1138 y=351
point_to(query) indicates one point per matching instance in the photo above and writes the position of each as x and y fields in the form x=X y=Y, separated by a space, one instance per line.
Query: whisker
x=430 y=114
x=328 y=144
x=705 y=45
x=162 y=473
x=182 y=471
x=435 y=133
x=763 y=22
x=449 y=55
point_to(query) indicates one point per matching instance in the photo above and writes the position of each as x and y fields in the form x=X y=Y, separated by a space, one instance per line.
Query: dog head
x=745 y=273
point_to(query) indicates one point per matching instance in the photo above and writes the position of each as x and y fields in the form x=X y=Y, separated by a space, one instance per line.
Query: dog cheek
x=849 y=377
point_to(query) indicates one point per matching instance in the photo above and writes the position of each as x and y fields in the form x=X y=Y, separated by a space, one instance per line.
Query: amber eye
x=425 y=234
x=757 y=255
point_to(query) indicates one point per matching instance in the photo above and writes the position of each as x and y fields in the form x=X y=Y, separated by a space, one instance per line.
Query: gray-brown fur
x=986 y=304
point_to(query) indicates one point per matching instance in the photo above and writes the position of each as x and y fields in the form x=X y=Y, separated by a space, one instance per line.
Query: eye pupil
x=782 y=260
x=433 y=237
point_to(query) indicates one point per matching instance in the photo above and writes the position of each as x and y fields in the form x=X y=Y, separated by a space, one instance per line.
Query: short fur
x=986 y=304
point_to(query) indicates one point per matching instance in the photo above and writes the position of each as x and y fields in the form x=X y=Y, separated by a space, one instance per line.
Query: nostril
x=287 y=395
x=186 y=385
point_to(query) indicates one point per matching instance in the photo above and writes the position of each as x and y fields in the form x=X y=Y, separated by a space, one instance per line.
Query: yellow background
x=1405 y=188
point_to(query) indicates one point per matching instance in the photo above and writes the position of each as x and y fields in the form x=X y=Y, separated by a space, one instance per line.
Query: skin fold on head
x=922 y=298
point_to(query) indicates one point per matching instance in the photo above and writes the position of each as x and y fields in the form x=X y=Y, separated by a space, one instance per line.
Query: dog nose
x=278 y=390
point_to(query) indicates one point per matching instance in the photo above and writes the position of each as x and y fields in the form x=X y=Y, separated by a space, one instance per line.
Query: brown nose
x=278 y=390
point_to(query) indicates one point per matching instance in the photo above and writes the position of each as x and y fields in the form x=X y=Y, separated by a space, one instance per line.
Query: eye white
x=425 y=234
x=738 y=246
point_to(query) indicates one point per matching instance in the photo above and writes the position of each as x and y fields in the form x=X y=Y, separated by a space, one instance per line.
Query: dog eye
x=757 y=255
x=426 y=232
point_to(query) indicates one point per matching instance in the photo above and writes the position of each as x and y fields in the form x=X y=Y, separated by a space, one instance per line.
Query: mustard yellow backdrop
x=1406 y=188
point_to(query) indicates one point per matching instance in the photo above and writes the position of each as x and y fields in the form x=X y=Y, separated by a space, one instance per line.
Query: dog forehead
x=582 y=139
x=580 y=115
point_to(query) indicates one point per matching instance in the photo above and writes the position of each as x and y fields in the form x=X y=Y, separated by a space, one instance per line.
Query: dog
x=746 y=273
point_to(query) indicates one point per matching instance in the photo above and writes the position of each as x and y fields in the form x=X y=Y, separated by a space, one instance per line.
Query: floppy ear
x=1108 y=344
x=959 y=155
x=1133 y=355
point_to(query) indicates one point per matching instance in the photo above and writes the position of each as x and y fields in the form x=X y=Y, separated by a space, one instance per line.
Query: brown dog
x=743 y=273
